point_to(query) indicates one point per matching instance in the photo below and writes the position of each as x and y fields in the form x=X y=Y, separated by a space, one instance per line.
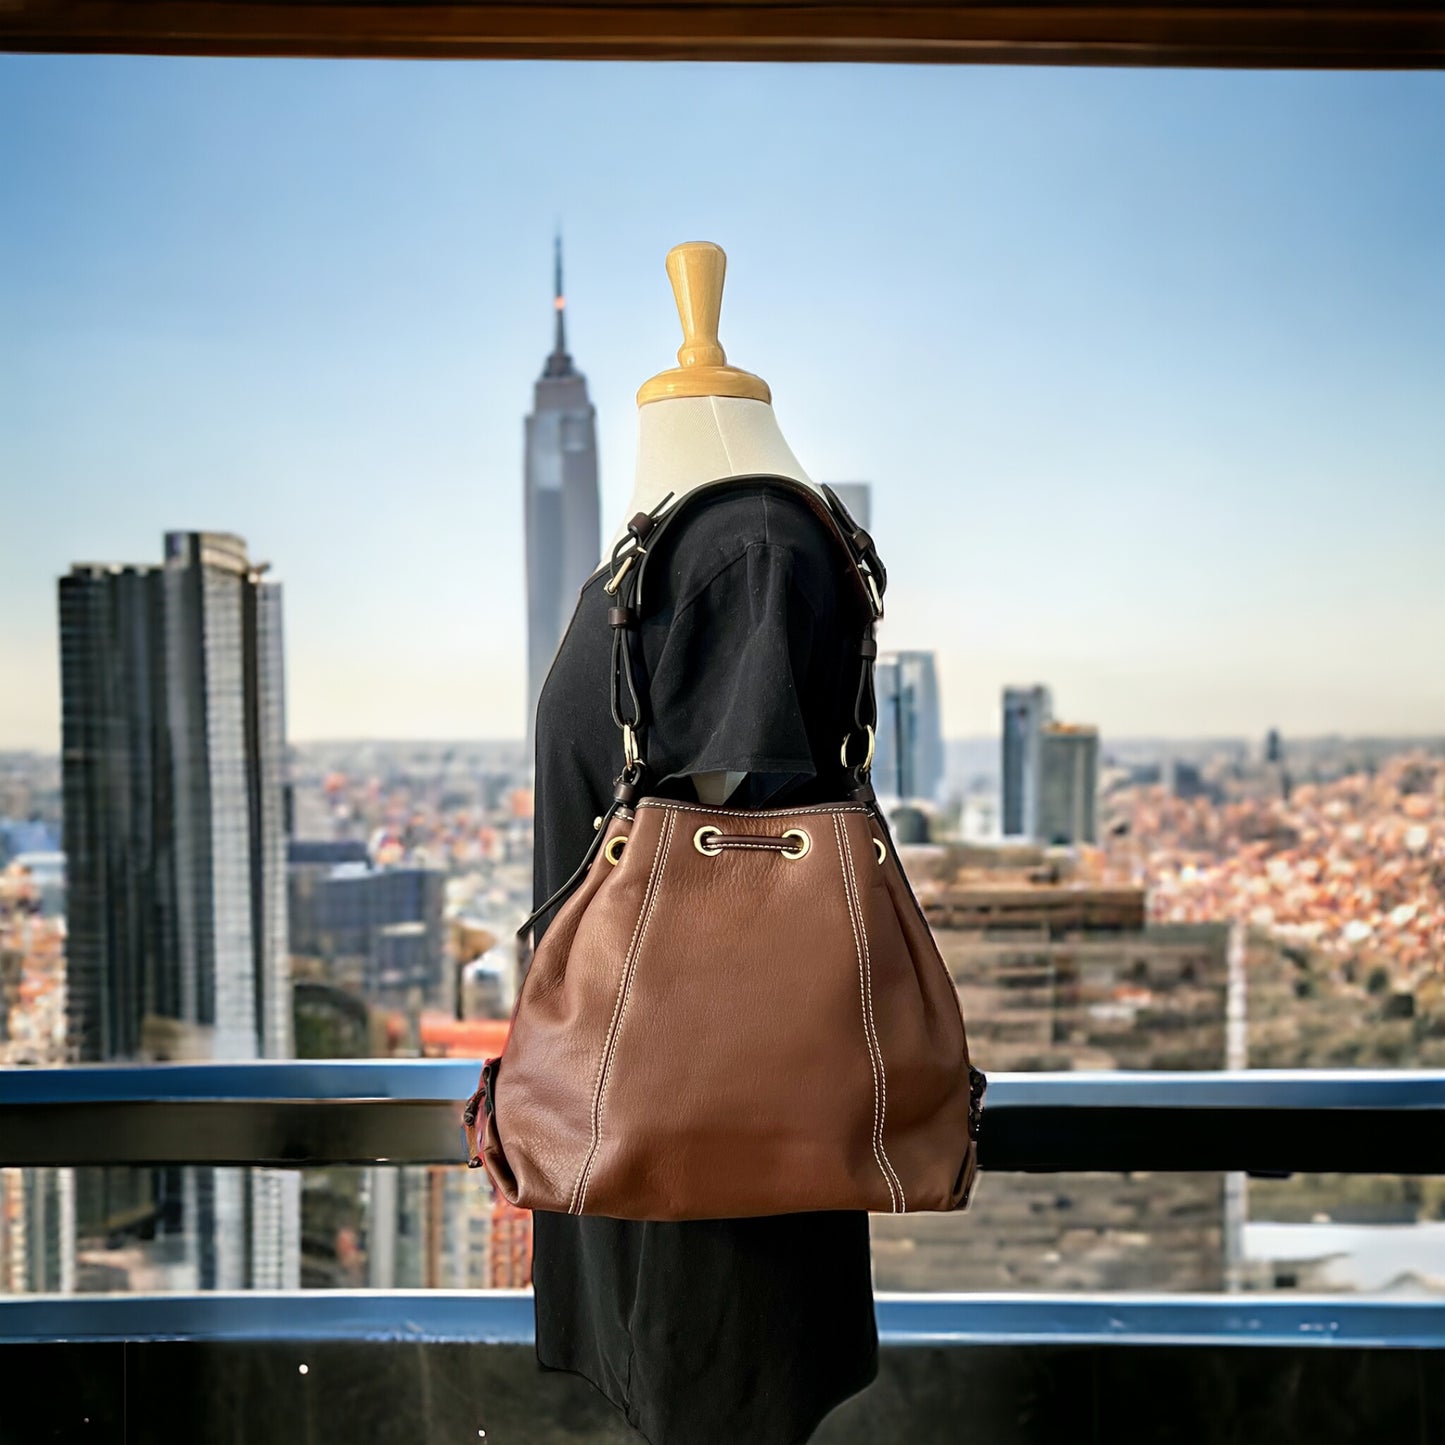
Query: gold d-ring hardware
x=868 y=758
x=797 y=833
x=612 y=848
x=700 y=845
x=881 y=850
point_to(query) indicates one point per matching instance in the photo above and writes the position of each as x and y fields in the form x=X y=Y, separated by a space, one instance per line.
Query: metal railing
x=1262 y=1121
x=483 y=1316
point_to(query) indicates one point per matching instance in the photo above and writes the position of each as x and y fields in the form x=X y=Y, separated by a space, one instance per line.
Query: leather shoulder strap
x=629 y=563
x=864 y=565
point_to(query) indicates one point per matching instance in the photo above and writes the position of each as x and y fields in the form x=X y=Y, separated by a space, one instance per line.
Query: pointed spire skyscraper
x=562 y=503
x=559 y=364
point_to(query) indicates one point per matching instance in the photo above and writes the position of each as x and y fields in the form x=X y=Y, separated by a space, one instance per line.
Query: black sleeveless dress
x=708 y=1332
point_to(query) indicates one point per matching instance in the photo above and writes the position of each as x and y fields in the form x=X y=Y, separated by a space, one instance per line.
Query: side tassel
x=977 y=1083
x=480 y=1101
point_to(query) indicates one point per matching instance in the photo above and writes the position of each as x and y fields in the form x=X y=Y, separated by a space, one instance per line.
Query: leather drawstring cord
x=616 y=806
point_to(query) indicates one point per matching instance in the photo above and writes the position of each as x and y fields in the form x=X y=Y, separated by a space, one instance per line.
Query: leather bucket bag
x=739 y=1011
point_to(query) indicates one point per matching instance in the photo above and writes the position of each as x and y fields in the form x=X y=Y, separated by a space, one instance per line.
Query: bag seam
x=664 y=847
x=867 y=1038
x=873 y=1029
x=612 y=1027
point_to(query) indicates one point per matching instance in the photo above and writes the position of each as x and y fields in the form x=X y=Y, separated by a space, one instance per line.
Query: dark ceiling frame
x=1408 y=34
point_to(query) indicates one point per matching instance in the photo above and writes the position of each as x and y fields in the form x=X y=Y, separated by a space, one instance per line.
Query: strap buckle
x=860 y=544
x=874 y=594
x=638 y=530
x=611 y=585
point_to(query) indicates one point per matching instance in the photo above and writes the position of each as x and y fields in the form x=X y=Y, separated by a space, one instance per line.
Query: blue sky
x=1147 y=368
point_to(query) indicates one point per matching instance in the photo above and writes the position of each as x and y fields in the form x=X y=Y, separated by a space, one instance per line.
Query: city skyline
x=1178 y=340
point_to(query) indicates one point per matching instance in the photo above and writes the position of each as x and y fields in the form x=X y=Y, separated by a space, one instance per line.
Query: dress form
x=702 y=420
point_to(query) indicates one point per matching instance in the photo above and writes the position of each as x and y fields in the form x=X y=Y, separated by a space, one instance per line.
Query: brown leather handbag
x=739 y=1011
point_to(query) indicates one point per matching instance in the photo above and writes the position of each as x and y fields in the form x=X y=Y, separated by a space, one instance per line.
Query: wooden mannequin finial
x=696 y=269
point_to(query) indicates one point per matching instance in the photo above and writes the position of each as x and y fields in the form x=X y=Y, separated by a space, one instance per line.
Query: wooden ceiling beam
x=1407 y=34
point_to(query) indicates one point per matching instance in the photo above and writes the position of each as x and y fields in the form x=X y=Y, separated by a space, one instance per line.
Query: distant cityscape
x=182 y=882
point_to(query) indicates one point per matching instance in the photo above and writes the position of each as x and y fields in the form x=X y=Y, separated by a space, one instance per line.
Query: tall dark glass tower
x=563 y=508
x=173 y=747
x=1068 y=784
x=909 y=760
x=1027 y=711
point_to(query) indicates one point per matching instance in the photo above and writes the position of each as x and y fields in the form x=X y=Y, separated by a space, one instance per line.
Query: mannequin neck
x=686 y=441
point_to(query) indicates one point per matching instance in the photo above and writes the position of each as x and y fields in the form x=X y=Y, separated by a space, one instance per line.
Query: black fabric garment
x=708 y=1332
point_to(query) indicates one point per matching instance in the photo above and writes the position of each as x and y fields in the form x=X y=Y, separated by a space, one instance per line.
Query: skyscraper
x=1026 y=712
x=908 y=761
x=173 y=746
x=1068 y=784
x=562 y=504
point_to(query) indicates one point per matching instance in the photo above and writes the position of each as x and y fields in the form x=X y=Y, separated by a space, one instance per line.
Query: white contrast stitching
x=873 y=1028
x=867 y=1037
x=612 y=1024
x=872 y=1024
x=664 y=846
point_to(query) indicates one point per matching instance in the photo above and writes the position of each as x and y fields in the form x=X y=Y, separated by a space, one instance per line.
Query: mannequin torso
x=689 y=440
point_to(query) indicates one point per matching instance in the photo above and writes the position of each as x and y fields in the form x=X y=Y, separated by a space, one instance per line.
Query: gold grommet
x=700 y=845
x=880 y=849
x=612 y=848
x=797 y=833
